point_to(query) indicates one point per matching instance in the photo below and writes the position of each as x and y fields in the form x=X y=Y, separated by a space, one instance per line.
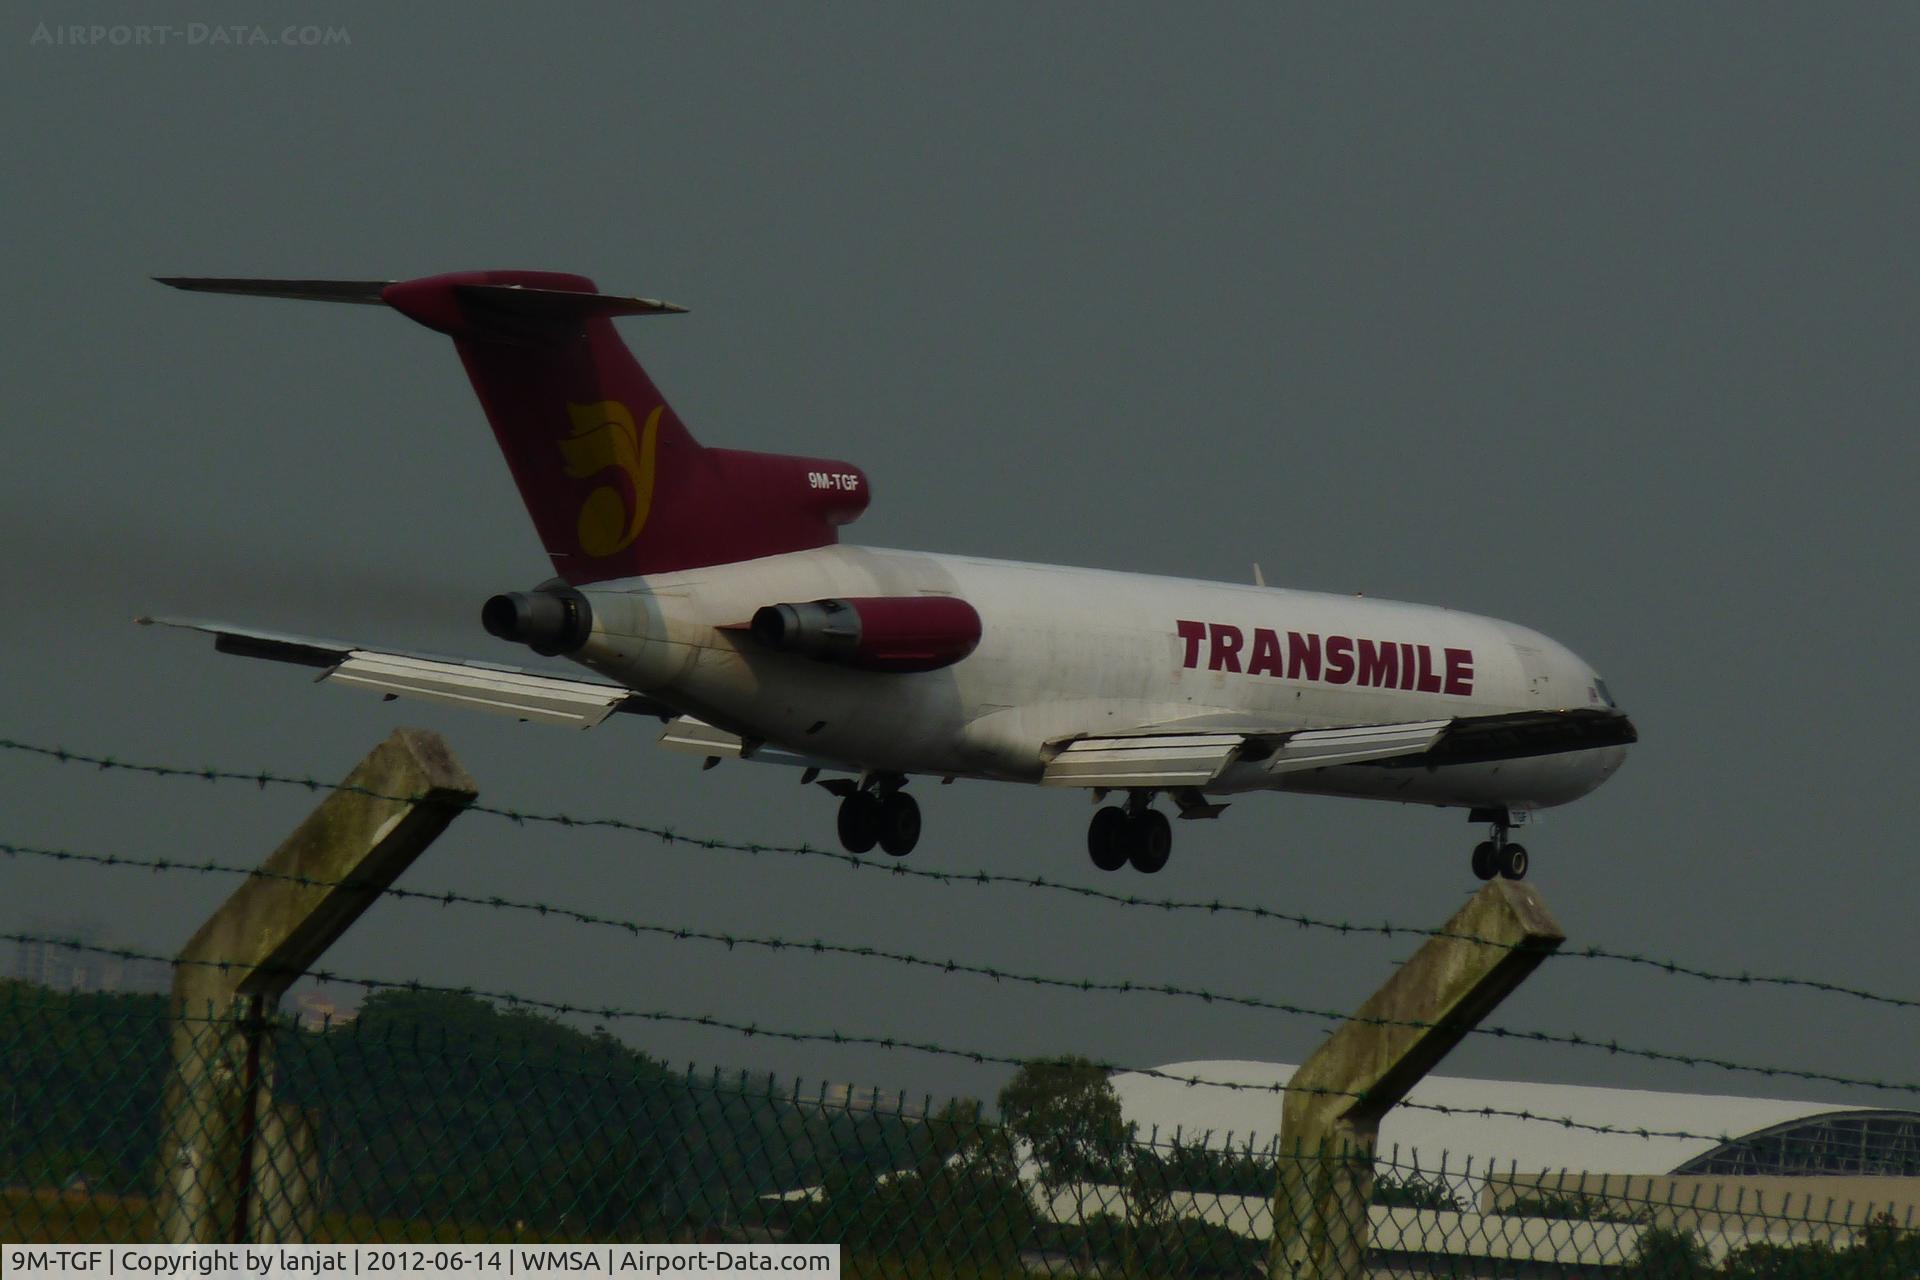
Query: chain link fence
x=437 y=1117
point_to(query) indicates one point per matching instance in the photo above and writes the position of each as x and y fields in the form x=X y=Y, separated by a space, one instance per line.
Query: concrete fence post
x=1330 y=1120
x=224 y=1143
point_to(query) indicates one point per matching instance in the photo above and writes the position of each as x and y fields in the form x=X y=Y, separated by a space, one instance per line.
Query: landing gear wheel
x=859 y=822
x=899 y=824
x=1107 y=838
x=1513 y=862
x=1151 y=841
x=1499 y=856
x=1486 y=860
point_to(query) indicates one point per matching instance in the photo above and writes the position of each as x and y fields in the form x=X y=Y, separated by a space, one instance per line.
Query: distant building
x=317 y=1009
x=1616 y=1131
x=1785 y=1173
x=61 y=966
x=863 y=1098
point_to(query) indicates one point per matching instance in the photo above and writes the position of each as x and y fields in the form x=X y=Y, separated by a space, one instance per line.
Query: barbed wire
x=818 y=947
x=751 y=1030
x=668 y=835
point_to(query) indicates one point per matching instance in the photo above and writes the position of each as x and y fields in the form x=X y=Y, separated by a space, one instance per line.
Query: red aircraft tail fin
x=614 y=482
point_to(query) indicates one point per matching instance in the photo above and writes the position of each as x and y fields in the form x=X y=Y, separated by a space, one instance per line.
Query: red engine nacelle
x=873 y=633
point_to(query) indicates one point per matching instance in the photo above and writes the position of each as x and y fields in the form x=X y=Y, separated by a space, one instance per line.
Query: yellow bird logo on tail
x=603 y=438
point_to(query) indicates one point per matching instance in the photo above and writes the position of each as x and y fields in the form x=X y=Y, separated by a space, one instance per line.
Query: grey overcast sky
x=1598 y=318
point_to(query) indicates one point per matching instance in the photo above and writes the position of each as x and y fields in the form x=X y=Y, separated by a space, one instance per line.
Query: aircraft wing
x=1190 y=755
x=460 y=682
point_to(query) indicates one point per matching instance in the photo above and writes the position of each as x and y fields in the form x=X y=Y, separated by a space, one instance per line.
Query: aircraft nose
x=1611 y=758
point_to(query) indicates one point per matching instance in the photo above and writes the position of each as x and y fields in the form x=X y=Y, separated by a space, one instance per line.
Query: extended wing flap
x=546 y=699
x=1319 y=748
x=1165 y=760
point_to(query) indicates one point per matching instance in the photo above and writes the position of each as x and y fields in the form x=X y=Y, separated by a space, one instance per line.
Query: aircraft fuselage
x=1067 y=652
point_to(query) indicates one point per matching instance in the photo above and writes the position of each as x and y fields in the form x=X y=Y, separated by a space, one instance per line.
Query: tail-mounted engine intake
x=875 y=633
x=551 y=621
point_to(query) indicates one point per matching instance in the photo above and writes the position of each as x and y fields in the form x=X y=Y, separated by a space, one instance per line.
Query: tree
x=444 y=1108
x=1666 y=1253
x=1766 y=1260
x=83 y=1073
x=1883 y=1251
x=959 y=1203
x=1067 y=1113
x=1888 y=1251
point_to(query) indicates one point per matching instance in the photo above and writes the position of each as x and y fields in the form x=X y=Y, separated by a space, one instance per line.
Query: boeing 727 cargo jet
x=708 y=587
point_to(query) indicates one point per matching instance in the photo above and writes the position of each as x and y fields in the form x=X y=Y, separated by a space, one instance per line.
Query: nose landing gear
x=1498 y=856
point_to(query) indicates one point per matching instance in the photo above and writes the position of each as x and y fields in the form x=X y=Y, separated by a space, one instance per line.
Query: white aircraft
x=709 y=587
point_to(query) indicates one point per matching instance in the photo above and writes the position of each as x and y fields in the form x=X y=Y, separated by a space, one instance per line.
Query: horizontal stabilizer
x=502 y=300
x=480 y=686
x=563 y=303
x=615 y=484
x=362 y=291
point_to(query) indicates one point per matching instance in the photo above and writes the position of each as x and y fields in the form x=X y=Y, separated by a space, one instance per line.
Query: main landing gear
x=1498 y=856
x=1134 y=835
x=878 y=812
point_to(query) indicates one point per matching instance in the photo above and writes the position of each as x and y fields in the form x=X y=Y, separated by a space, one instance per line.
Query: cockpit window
x=1600 y=688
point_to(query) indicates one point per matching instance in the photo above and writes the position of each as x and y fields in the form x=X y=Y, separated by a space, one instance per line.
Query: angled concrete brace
x=1331 y=1118
x=234 y=1167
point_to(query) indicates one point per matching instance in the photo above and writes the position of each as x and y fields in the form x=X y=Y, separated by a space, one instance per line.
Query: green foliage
x=959 y=1196
x=1573 y=1207
x=1888 y=1251
x=1815 y=1260
x=1412 y=1191
x=1177 y=1247
x=436 y=1104
x=1883 y=1252
x=438 y=1116
x=1668 y=1254
x=1192 y=1167
x=432 y=1107
x=1067 y=1113
x=80 y=1080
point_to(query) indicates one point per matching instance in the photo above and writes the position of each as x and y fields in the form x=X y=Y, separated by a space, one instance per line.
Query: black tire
x=1486 y=860
x=859 y=822
x=1107 y=839
x=1152 y=841
x=899 y=824
x=1513 y=862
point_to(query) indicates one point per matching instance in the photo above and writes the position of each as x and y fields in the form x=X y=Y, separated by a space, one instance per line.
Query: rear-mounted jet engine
x=553 y=621
x=873 y=633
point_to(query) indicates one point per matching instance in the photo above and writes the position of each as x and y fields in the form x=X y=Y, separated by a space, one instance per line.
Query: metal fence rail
x=440 y=1117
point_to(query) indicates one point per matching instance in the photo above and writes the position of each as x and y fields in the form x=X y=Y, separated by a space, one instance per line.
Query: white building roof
x=1427 y=1137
